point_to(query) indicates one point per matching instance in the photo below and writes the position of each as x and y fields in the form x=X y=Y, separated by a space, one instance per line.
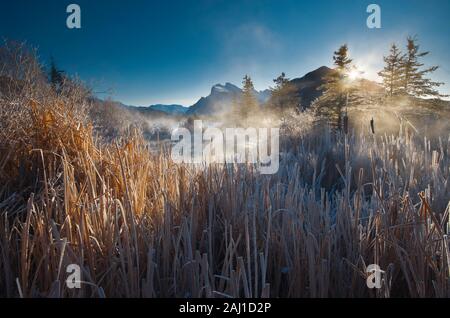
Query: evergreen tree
x=337 y=87
x=393 y=71
x=249 y=102
x=281 y=81
x=341 y=59
x=414 y=81
x=335 y=81
x=284 y=95
x=56 y=76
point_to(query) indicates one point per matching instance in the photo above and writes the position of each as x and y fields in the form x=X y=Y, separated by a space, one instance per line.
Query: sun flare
x=353 y=75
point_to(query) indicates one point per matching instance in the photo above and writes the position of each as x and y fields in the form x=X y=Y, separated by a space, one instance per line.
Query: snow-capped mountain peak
x=227 y=88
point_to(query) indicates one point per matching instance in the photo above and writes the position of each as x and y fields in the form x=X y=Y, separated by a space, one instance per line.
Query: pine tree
x=56 y=76
x=393 y=71
x=249 y=102
x=281 y=81
x=284 y=95
x=341 y=59
x=414 y=81
x=336 y=87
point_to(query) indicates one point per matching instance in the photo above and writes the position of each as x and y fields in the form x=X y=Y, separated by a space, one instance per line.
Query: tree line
x=403 y=74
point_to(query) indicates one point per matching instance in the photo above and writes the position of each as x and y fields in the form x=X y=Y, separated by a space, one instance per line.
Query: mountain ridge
x=307 y=90
x=175 y=109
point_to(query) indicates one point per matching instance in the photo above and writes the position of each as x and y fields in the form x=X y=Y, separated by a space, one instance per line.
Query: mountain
x=263 y=96
x=307 y=87
x=146 y=111
x=170 y=109
x=218 y=101
x=221 y=98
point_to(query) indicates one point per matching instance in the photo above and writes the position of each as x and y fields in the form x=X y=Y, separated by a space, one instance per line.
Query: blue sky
x=149 y=52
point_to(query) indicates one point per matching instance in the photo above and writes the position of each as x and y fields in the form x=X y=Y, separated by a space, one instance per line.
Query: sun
x=353 y=75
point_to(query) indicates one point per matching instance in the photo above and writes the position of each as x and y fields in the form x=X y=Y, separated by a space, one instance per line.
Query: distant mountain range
x=170 y=109
x=222 y=96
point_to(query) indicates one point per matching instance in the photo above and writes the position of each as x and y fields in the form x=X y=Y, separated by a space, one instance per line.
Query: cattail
x=372 y=126
x=345 y=119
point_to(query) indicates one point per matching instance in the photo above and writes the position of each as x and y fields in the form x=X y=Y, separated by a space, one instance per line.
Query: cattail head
x=346 y=124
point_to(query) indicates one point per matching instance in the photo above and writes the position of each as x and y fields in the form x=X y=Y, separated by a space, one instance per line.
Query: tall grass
x=140 y=225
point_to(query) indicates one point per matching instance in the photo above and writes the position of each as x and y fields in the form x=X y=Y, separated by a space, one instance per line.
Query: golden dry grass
x=141 y=226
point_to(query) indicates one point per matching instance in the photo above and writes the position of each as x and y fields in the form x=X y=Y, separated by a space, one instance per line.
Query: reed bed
x=141 y=226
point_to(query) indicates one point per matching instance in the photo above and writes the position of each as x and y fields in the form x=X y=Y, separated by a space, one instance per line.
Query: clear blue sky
x=173 y=51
